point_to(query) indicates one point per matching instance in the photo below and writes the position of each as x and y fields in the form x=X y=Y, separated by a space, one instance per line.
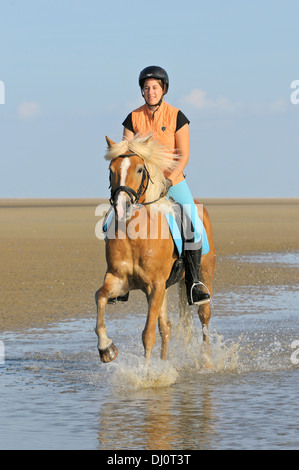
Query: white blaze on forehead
x=122 y=198
x=124 y=169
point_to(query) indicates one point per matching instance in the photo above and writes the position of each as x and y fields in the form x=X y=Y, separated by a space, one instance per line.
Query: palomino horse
x=144 y=262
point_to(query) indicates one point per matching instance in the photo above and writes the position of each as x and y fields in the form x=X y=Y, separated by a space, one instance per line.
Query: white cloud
x=199 y=100
x=278 y=105
x=28 y=110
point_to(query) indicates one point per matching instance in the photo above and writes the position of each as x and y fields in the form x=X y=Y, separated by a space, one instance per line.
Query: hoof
x=109 y=354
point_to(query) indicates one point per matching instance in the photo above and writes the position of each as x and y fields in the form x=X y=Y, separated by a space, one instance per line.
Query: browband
x=128 y=155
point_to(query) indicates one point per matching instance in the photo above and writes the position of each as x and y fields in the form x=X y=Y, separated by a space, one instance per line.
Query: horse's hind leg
x=107 y=350
x=206 y=276
x=164 y=328
x=204 y=313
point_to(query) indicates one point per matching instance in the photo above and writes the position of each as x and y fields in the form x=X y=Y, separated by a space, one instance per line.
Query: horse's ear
x=109 y=142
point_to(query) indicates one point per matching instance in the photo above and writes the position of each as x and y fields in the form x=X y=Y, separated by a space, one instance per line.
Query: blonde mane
x=157 y=160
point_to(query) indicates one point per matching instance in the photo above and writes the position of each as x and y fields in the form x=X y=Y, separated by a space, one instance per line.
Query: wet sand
x=52 y=262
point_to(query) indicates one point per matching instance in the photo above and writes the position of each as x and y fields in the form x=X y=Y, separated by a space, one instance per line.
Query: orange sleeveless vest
x=162 y=125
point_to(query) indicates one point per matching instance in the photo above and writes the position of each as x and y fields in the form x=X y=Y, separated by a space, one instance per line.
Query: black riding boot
x=193 y=285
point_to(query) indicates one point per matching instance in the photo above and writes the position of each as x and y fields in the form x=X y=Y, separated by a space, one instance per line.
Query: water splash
x=192 y=353
x=225 y=353
x=188 y=353
x=137 y=373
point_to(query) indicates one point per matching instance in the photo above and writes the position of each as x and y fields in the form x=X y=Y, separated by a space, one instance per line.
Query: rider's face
x=152 y=91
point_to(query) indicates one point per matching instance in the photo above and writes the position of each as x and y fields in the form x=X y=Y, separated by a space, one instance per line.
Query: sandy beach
x=52 y=263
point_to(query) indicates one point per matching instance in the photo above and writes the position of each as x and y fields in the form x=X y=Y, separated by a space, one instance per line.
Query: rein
x=134 y=196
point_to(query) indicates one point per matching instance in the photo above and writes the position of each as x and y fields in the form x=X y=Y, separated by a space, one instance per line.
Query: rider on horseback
x=170 y=127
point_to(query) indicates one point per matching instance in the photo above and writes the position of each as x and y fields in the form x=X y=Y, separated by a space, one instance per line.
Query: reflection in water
x=178 y=417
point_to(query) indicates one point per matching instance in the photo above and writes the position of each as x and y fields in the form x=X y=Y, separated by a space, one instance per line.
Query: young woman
x=170 y=127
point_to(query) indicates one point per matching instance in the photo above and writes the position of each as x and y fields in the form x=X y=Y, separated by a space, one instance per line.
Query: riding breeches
x=182 y=195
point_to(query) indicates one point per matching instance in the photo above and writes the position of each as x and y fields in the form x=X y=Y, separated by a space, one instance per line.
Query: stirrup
x=203 y=301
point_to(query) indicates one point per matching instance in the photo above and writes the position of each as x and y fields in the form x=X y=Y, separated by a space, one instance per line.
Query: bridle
x=134 y=196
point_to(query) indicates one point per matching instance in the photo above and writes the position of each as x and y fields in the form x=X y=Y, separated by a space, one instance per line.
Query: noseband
x=134 y=196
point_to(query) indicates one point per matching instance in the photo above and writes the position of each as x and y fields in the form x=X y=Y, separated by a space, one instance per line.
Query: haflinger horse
x=145 y=261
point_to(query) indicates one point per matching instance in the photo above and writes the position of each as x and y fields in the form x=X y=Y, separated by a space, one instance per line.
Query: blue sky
x=70 y=70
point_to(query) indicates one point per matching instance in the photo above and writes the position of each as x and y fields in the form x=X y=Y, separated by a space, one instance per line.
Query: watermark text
x=2 y=92
x=295 y=354
x=156 y=223
x=295 y=94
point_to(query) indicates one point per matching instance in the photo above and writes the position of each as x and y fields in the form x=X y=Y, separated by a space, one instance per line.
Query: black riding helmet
x=153 y=71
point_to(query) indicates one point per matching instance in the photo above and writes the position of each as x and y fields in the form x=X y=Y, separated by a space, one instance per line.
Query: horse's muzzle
x=123 y=206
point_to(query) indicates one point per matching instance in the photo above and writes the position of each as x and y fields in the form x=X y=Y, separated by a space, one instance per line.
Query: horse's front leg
x=155 y=301
x=107 y=350
x=204 y=313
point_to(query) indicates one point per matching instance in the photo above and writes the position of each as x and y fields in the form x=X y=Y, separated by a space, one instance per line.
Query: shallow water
x=55 y=393
x=288 y=258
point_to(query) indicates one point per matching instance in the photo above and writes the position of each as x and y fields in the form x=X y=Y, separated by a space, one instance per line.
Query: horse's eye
x=140 y=170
